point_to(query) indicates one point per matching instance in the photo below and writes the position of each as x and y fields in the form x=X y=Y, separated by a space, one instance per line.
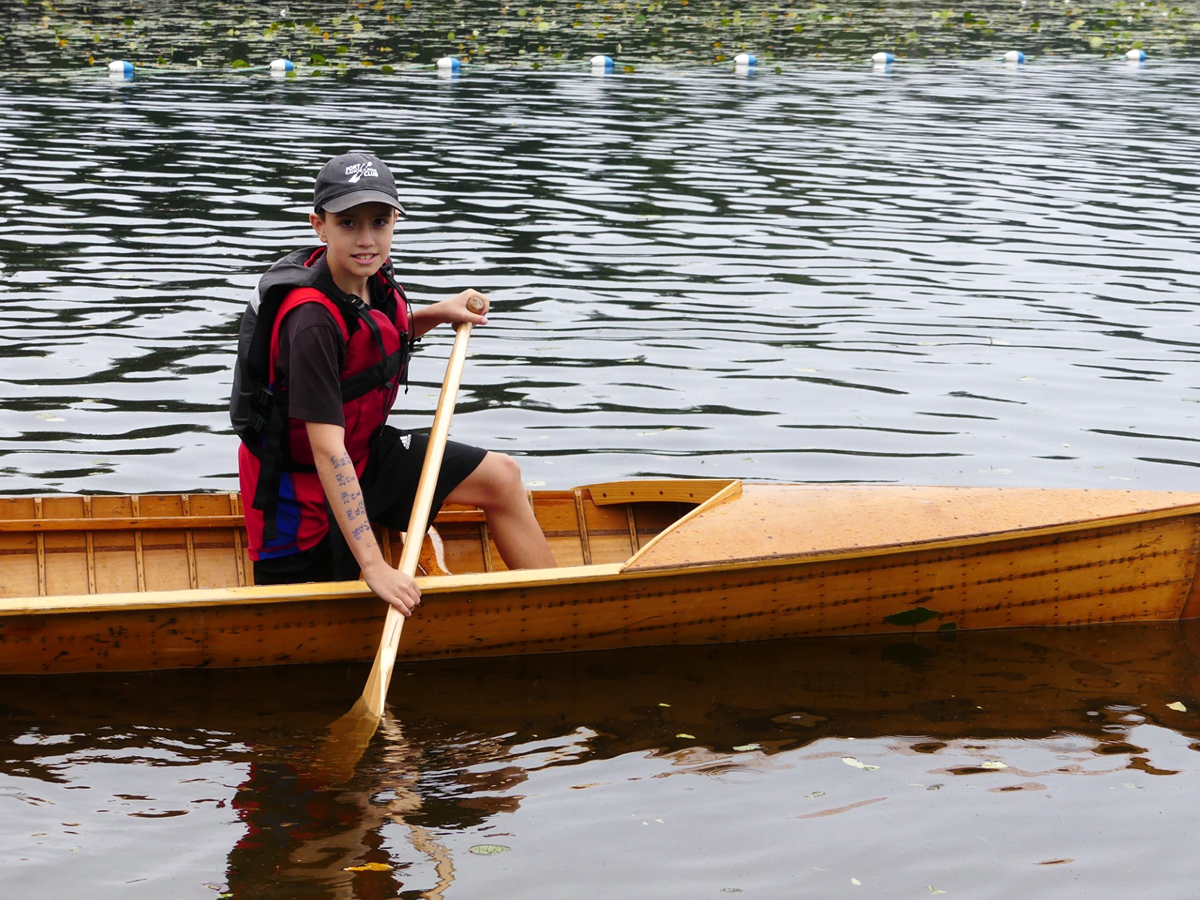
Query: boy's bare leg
x=496 y=487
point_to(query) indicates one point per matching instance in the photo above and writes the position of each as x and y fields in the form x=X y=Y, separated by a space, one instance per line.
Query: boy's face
x=359 y=239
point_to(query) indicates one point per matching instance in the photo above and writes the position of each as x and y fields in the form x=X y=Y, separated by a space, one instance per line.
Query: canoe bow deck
x=134 y=583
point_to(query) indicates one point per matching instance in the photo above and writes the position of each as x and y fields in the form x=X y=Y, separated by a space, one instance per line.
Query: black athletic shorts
x=389 y=486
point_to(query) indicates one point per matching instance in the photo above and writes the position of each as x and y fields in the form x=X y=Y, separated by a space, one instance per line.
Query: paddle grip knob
x=475 y=304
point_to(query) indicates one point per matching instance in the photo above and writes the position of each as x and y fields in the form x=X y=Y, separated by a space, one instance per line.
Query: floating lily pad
x=489 y=849
x=857 y=764
x=674 y=33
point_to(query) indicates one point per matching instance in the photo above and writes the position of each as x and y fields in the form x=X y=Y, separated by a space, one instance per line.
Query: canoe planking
x=644 y=564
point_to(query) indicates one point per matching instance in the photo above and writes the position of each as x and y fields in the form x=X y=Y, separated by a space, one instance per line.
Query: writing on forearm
x=352 y=508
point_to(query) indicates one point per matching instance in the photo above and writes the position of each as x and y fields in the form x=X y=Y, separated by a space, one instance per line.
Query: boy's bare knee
x=502 y=480
x=509 y=471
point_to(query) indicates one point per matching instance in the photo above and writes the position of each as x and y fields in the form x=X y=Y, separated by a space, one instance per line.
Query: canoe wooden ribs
x=97 y=545
x=163 y=581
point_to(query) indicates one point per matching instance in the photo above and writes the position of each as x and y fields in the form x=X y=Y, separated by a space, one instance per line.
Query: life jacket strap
x=381 y=376
x=270 y=474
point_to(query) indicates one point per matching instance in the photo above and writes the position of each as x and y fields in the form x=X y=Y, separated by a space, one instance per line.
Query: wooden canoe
x=128 y=583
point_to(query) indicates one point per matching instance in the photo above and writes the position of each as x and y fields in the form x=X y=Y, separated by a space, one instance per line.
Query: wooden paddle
x=349 y=735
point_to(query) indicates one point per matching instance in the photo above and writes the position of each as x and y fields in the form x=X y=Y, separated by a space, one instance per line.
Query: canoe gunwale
x=252 y=595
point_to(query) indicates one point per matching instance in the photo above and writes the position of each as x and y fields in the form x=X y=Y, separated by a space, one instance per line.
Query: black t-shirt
x=311 y=355
x=311 y=333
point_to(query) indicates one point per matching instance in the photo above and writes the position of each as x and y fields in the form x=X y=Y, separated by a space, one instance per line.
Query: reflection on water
x=305 y=838
x=1039 y=761
x=946 y=274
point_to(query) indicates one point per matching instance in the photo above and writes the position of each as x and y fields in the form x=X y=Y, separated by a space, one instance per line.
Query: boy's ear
x=318 y=224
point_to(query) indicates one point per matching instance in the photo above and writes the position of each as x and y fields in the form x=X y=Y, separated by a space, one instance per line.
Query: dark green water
x=356 y=36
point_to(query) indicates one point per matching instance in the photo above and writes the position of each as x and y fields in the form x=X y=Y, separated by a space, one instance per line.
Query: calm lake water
x=946 y=273
x=1014 y=763
x=959 y=274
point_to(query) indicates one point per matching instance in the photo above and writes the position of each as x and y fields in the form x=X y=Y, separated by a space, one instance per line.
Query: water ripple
x=784 y=277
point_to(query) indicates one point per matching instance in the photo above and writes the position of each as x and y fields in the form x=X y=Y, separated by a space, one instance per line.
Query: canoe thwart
x=120 y=523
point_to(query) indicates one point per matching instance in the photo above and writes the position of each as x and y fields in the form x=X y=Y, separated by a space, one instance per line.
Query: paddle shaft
x=375 y=693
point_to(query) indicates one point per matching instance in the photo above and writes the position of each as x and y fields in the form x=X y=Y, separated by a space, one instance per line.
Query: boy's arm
x=344 y=494
x=449 y=311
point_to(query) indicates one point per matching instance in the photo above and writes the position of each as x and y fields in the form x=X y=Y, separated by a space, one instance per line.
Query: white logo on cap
x=358 y=170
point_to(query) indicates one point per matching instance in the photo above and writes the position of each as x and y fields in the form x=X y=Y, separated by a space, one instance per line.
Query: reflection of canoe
x=1098 y=683
x=130 y=583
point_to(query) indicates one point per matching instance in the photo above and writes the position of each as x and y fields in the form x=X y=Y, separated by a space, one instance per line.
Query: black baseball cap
x=354 y=178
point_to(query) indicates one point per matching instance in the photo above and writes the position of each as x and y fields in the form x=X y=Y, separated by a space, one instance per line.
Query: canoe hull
x=1115 y=571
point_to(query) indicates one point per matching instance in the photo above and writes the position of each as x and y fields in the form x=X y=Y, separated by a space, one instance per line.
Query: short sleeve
x=311 y=356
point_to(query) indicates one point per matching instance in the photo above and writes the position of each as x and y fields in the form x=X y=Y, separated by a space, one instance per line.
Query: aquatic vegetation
x=348 y=36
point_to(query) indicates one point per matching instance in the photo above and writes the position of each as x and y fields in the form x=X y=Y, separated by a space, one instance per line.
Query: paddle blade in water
x=345 y=744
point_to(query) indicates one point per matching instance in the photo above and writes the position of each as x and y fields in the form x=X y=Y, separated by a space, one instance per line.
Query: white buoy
x=282 y=65
x=449 y=65
x=883 y=59
x=745 y=61
x=118 y=68
x=602 y=64
x=1136 y=55
x=1016 y=57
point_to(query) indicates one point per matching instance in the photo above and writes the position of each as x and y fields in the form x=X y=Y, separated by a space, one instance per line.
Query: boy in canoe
x=322 y=354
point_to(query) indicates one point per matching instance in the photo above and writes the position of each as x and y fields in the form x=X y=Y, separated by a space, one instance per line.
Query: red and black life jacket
x=275 y=463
